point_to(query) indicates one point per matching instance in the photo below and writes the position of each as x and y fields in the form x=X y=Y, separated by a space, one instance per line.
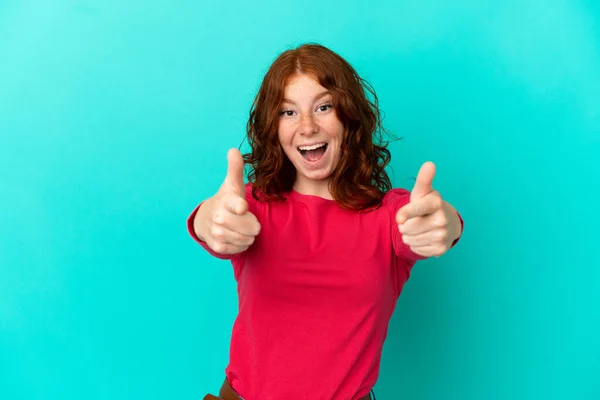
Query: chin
x=316 y=175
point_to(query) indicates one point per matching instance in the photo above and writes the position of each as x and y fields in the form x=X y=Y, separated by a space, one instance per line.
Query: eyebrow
x=317 y=97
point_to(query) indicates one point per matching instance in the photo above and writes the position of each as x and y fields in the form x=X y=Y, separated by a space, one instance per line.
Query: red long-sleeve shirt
x=316 y=292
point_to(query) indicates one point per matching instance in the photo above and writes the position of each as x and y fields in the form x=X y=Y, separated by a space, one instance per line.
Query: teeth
x=314 y=146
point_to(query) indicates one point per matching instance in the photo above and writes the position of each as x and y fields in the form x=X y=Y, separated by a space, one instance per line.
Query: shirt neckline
x=300 y=196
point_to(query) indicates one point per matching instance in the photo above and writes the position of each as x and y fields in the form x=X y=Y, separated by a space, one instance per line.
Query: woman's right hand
x=223 y=221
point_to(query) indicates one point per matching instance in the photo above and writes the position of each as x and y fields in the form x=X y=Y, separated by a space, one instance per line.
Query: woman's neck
x=313 y=188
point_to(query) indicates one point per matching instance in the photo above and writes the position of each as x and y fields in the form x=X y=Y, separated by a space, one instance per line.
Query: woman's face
x=310 y=133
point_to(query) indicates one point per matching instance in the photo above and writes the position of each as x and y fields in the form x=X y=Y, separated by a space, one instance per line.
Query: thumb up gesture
x=428 y=224
x=229 y=228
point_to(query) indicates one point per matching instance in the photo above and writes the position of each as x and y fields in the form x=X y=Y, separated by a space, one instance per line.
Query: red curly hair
x=359 y=181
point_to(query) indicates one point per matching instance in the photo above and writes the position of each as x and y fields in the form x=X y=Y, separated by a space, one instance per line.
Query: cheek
x=336 y=134
x=334 y=129
x=285 y=135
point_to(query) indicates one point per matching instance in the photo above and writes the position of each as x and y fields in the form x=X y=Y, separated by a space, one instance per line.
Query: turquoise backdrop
x=115 y=119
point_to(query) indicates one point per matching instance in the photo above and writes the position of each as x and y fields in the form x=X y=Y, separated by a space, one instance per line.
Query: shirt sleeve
x=190 y=225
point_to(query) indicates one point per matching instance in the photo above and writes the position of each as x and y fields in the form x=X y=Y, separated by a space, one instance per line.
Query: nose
x=308 y=125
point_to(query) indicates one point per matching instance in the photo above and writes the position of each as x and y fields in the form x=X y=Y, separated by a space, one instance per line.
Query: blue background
x=115 y=119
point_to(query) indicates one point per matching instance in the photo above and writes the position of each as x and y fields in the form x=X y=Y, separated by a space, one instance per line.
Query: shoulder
x=248 y=187
x=395 y=198
x=251 y=192
x=254 y=197
x=253 y=204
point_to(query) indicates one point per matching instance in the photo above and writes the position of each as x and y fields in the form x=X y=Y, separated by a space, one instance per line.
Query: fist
x=231 y=227
x=428 y=224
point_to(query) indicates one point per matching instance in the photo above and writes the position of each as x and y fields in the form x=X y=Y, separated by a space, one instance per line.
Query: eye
x=325 y=107
x=286 y=113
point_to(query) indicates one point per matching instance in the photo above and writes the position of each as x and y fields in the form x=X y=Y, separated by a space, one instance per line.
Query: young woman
x=320 y=243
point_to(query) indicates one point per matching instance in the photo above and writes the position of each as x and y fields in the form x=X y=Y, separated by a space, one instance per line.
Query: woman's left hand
x=428 y=224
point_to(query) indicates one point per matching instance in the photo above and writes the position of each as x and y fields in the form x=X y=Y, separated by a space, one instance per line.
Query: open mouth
x=314 y=152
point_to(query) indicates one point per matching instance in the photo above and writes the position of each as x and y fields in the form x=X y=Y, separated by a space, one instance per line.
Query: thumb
x=424 y=184
x=235 y=172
